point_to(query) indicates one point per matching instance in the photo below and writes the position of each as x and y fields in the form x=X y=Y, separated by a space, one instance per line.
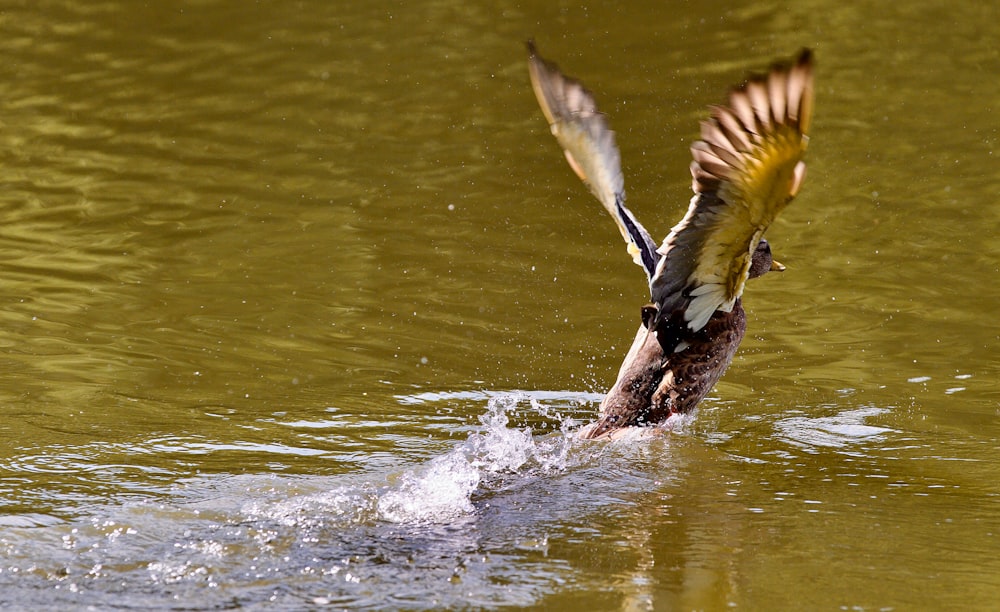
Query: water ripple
x=843 y=430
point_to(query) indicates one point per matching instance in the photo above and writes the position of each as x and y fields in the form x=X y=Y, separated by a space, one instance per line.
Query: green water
x=274 y=275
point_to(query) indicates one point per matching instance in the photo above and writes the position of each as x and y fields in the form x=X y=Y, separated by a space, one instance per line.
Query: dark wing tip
x=805 y=57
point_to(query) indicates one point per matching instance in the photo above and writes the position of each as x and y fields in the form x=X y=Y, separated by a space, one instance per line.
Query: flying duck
x=747 y=166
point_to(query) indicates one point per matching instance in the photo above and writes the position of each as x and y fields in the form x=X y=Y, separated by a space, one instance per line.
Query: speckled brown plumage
x=651 y=387
x=655 y=383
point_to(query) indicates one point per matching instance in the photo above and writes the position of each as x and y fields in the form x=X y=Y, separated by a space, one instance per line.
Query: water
x=508 y=517
x=456 y=521
x=301 y=307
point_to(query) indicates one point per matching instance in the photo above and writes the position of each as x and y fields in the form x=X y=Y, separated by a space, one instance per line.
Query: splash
x=442 y=489
x=436 y=491
x=441 y=492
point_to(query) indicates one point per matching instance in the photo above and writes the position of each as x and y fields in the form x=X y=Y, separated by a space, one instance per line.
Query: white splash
x=441 y=489
x=435 y=491
x=439 y=492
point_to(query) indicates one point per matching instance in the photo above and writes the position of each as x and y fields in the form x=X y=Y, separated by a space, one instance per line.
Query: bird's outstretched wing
x=747 y=167
x=589 y=145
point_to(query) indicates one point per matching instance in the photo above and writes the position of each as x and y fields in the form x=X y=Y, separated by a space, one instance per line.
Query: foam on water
x=440 y=493
x=841 y=430
x=343 y=538
x=442 y=489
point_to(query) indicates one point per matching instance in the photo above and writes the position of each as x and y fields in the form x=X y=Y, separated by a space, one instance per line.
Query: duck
x=747 y=166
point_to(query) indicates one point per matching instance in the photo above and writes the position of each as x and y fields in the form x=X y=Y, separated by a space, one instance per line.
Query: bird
x=747 y=166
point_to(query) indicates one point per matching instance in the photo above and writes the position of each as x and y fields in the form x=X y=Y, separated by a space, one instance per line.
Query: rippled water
x=301 y=307
x=312 y=540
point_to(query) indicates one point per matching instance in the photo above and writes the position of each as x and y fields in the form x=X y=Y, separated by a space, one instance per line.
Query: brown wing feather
x=747 y=167
x=590 y=149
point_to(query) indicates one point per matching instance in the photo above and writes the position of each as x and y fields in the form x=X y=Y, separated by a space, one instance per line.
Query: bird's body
x=652 y=386
x=747 y=167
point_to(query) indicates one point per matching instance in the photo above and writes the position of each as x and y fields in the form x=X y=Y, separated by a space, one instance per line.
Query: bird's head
x=761 y=262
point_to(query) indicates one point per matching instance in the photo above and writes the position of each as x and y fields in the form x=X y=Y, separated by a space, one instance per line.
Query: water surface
x=301 y=307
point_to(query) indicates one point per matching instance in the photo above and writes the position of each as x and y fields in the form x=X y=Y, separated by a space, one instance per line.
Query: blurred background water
x=300 y=306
